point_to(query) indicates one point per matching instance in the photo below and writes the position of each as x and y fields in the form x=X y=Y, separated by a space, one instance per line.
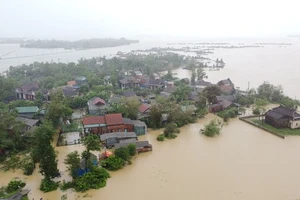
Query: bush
x=160 y=137
x=131 y=149
x=256 y=111
x=92 y=180
x=123 y=153
x=28 y=167
x=14 y=185
x=66 y=185
x=48 y=185
x=212 y=129
x=228 y=113
x=112 y=163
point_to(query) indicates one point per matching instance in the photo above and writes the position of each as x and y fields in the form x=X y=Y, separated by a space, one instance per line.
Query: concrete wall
x=295 y=124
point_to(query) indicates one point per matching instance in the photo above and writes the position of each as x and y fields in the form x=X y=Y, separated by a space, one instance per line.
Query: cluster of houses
x=115 y=126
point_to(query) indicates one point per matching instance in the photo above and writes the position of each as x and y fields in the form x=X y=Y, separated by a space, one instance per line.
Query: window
x=125 y=130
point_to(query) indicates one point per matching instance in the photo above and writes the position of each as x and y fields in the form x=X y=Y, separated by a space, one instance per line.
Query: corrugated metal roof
x=29 y=109
x=118 y=135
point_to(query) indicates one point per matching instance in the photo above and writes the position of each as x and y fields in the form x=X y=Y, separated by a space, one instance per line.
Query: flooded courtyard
x=243 y=162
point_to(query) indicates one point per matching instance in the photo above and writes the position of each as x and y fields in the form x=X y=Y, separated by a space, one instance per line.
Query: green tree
x=193 y=78
x=182 y=93
x=201 y=74
x=123 y=153
x=91 y=143
x=155 y=116
x=43 y=137
x=7 y=87
x=112 y=163
x=48 y=162
x=132 y=149
x=58 y=109
x=129 y=107
x=73 y=162
x=211 y=92
x=213 y=128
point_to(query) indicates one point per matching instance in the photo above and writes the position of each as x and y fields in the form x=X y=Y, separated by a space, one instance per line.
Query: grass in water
x=282 y=131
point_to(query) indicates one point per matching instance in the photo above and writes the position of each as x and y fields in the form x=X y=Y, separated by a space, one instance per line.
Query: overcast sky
x=74 y=19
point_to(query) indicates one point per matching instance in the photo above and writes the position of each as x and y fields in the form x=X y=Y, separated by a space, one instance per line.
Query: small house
x=154 y=84
x=97 y=106
x=69 y=91
x=27 y=91
x=141 y=146
x=29 y=124
x=27 y=112
x=226 y=86
x=110 y=139
x=107 y=80
x=80 y=80
x=202 y=84
x=283 y=117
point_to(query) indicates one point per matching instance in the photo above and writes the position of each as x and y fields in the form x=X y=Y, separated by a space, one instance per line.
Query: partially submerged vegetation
x=12 y=188
x=212 y=129
x=122 y=156
x=280 y=131
x=228 y=113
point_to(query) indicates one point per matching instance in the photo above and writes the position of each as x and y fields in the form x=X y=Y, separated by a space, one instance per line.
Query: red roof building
x=93 y=120
x=98 y=101
x=105 y=124
x=114 y=119
x=143 y=108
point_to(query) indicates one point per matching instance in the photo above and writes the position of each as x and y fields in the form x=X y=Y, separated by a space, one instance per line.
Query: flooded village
x=135 y=106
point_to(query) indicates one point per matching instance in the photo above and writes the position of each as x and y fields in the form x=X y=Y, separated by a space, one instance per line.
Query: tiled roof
x=226 y=88
x=28 y=122
x=29 y=87
x=226 y=97
x=156 y=82
x=143 y=108
x=97 y=101
x=225 y=104
x=30 y=109
x=114 y=119
x=129 y=93
x=93 y=120
x=281 y=111
x=203 y=83
x=225 y=82
x=71 y=83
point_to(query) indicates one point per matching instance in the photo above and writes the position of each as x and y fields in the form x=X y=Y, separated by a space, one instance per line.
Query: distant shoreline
x=75 y=45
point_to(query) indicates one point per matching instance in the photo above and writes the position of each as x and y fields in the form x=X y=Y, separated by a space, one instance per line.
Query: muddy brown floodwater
x=243 y=162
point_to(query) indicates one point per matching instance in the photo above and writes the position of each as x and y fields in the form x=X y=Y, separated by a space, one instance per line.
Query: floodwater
x=243 y=162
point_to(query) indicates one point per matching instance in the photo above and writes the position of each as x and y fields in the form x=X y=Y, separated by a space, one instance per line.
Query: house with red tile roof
x=144 y=110
x=108 y=123
x=226 y=86
x=97 y=106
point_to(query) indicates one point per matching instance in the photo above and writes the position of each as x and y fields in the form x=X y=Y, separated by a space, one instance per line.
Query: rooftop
x=143 y=108
x=30 y=109
x=93 y=120
x=114 y=119
x=118 y=135
x=28 y=122
x=281 y=111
